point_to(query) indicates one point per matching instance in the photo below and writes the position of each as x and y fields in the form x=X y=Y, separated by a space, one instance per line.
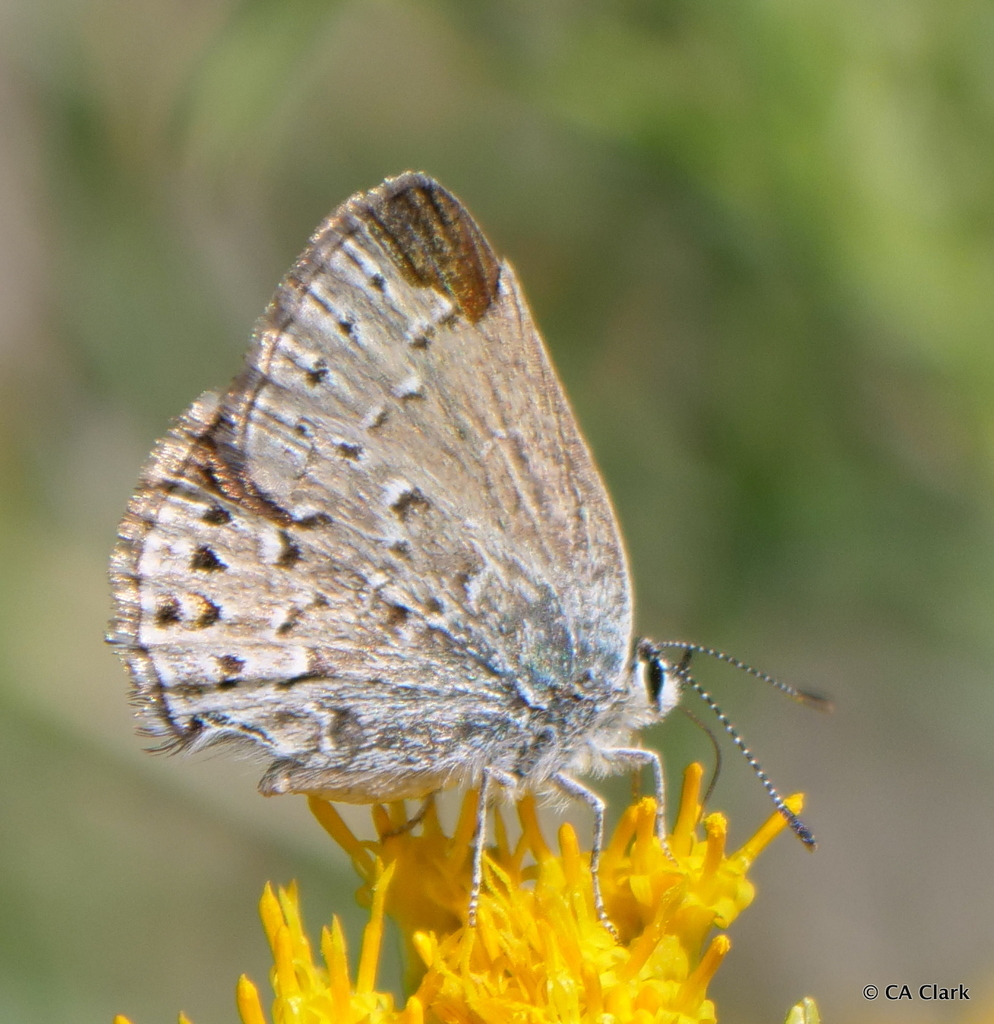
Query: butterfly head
x=654 y=680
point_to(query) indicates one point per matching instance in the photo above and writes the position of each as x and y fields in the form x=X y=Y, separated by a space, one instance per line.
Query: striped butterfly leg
x=490 y=776
x=575 y=789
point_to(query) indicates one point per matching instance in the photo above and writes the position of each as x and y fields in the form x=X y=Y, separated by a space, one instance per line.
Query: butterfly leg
x=490 y=775
x=575 y=789
x=635 y=758
x=636 y=786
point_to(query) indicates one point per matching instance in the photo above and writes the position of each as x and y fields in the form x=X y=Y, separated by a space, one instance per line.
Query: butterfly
x=384 y=557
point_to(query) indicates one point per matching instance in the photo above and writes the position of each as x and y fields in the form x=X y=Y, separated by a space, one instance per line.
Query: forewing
x=387 y=540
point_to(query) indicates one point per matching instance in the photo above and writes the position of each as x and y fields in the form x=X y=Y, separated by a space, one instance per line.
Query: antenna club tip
x=816 y=701
x=801 y=831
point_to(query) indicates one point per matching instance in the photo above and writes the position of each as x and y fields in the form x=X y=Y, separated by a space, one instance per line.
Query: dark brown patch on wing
x=431 y=238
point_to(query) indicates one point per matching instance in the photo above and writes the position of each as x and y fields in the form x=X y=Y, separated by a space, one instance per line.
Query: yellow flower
x=804 y=1013
x=538 y=953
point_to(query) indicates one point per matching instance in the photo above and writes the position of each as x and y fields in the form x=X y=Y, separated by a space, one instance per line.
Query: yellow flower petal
x=247 y=1001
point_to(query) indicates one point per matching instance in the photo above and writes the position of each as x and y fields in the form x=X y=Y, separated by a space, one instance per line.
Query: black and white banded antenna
x=679 y=671
x=682 y=671
x=811 y=700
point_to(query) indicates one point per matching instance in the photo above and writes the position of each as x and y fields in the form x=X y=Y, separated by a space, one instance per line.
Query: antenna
x=682 y=671
x=811 y=700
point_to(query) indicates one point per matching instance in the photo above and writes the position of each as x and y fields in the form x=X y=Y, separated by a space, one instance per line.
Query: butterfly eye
x=655 y=678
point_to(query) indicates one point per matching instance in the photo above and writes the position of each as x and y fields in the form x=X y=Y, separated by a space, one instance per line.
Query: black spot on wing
x=409 y=503
x=396 y=615
x=205 y=560
x=314 y=520
x=168 y=612
x=207 y=612
x=347 y=450
x=231 y=669
x=290 y=553
x=216 y=516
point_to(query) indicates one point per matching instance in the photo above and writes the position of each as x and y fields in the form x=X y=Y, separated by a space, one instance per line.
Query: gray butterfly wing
x=384 y=555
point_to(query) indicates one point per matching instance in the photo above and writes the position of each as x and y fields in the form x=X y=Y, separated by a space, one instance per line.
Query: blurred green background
x=758 y=237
